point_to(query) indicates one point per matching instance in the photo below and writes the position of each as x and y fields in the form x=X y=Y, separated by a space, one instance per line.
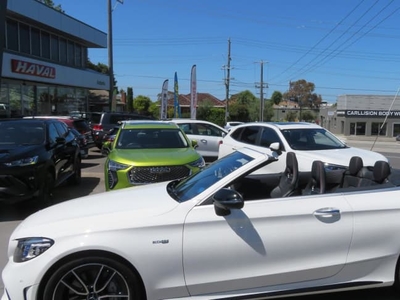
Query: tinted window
x=62 y=129
x=35 y=40
x=12 y=35
x=249 y=135
x=24 y=38
x=312 y=139
x=268 y=136
x=81 y=126
x=53 y=133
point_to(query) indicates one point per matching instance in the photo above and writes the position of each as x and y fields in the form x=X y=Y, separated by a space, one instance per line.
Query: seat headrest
x=355 y=165
x=381 y=171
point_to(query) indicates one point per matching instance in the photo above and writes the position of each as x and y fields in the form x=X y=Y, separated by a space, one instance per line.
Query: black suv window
x=62 y=129
x=53 y=133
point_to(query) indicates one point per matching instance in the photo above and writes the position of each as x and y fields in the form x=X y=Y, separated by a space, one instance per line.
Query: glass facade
x=18 y=99
x=32 y=41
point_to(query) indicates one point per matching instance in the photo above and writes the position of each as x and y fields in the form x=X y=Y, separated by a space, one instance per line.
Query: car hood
x=10 y=152
x=341 y=156
x=150 y=157
x=125 y=208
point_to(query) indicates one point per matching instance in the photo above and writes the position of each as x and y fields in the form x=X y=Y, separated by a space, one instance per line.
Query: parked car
x=230 y=124
x=146 y=152
x=82 y=142
x=309 y=141
x=102 y=122
x=208 y=136
x=36 y=155
x=177 y=239
x=81 y=125
x=108 y=139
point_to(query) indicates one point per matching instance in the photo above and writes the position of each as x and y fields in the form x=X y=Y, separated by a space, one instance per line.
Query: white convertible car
x=219 y=234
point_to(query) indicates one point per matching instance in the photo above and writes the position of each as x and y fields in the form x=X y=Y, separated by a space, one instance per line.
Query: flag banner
x=177 y=108
x=164 y=100
x=193 y=93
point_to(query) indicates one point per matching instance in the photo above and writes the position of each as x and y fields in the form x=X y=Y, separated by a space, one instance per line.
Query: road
x=93 y=182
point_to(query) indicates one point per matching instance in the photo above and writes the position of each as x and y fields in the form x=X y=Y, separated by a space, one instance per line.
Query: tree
x=301 y=92
x=51 y=4
x=129 y=99
x=276 y=97
x=269 y=110
x=141 y=104
x=244 y=107
x=291 y=116
x=307 y=116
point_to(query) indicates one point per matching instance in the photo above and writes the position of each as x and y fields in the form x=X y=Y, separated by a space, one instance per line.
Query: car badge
x=160 y=170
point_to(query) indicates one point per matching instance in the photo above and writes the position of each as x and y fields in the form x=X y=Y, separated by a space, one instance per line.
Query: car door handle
x=203 y=141
x=327 y=212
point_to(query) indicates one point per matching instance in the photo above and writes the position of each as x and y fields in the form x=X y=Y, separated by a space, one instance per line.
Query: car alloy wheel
x=92 y=278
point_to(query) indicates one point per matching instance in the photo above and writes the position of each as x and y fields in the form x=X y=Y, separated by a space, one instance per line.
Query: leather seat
x=352 y=177
x=289 y=179
x=317 y=183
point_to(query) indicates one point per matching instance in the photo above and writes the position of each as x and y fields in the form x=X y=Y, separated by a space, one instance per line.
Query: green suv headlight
x=198 y=163
x=23 y=162
x=30 y=248
x=115 y=166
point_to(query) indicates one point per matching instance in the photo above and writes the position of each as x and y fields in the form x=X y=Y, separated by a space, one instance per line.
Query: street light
x=110 y=54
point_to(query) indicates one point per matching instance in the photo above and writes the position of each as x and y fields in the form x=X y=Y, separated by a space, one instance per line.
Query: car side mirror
x=225 y=200
x=275 y=148
x=194 y=144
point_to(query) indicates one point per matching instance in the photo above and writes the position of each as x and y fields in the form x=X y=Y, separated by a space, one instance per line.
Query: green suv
x=146 y=152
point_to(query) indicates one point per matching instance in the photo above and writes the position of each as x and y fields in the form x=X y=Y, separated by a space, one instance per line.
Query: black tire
x=396 y=284
x=76 y=178
x=45 y=197
x=100 y=275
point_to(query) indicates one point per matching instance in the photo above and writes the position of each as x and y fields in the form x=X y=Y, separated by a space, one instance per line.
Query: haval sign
x=33 y=69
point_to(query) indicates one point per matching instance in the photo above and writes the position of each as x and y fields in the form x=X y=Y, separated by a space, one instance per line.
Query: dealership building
x=44 y=61
x=367 y=115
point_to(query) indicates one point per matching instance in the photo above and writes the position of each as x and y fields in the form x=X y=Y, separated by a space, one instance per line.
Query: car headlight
x=23 y=162
x=114 y=166
x=198 y=163
x=30 y=248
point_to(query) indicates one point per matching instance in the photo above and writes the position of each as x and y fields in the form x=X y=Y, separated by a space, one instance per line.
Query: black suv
x=103 y=122
x=36 y=156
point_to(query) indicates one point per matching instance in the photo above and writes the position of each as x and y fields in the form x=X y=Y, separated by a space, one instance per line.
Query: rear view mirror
x=194 y=144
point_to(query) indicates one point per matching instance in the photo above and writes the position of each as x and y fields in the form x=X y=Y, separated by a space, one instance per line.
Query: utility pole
x=3 y=13
x=262 y=85
x=227 y=80
x=110 y=53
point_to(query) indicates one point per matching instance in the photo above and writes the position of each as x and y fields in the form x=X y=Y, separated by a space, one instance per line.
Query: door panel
x=268 y=242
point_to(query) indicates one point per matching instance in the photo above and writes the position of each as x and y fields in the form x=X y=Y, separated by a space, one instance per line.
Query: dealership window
x=357 y=128
x=63 y=50
x=4 y=105
x=45 y=44
x=35 y=41
x=78 y=55
x=54 y=48
x=24 y=38
x=12 y=35
x=378 y=129
x=71 y=53
x=396 y=129
x=28 y=100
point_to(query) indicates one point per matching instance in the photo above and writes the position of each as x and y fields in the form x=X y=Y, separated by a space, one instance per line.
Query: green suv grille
x=144 y=175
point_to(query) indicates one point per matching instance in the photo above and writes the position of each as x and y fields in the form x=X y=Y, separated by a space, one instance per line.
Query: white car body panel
x=185 y=250
x=207 y=145
x=339 y=157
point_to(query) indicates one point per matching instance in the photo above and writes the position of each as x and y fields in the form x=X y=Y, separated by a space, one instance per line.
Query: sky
x=342 y=46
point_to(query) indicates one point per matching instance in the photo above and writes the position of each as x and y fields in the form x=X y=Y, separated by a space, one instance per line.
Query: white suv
x=208 y=136
x=309 y=141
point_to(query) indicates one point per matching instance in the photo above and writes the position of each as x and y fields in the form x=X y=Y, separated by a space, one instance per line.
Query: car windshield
x=22 y=133
x=151 y=139
x=312 y=139
x=191 y=186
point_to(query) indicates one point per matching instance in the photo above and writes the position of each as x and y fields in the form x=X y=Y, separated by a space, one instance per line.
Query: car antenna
x=384 y=121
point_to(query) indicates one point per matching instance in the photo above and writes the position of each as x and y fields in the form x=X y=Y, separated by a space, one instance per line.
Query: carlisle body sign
x=28 y=68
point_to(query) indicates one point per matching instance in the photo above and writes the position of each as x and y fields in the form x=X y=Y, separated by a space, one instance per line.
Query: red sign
x=28 y=68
